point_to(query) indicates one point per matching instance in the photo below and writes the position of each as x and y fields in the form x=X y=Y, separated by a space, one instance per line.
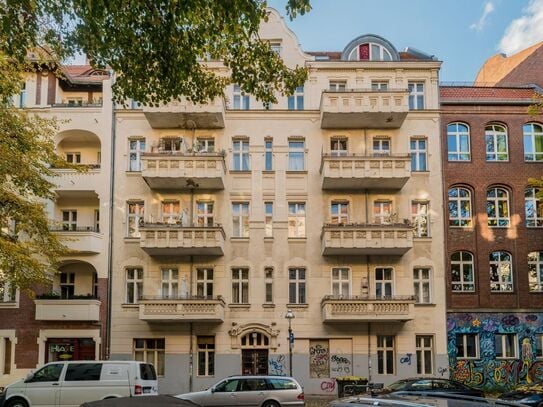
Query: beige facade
x=308 y=209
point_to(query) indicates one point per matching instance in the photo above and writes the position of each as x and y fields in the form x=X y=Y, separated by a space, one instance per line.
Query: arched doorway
x=254 y=353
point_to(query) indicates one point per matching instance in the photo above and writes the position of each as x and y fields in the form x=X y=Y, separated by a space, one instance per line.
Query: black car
x=530 y=395
x=430 y=385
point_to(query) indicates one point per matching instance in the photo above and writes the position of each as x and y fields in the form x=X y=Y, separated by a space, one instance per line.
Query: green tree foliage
x=159 y=48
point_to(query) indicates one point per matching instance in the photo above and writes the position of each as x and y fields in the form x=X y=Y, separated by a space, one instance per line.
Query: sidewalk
x=318 y=401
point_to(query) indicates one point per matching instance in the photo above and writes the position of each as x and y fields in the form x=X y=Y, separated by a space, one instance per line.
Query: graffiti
x=407 y=359
x=340 y=365
x=277 y=365
x=328 y=385
x=319 y=359
x=442 y=370
x=488 y=371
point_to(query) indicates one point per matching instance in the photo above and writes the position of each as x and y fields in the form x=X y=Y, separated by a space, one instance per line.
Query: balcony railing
x=77 y=309
x=357 y=239
x=367 y=309
x=77 y=105
x=74 y=229
x=364 y=108
x=79 y=239
x=186 y=115
x=163 y=239
x=355 y=172
x=181 y=309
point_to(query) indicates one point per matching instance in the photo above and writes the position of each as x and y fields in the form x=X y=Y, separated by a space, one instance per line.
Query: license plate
x=147 y=390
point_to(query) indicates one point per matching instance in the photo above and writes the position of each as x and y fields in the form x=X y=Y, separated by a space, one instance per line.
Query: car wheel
x=17 y=402
x=270 y=403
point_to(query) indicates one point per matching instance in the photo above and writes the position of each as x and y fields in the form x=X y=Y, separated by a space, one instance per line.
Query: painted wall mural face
x=495 y=352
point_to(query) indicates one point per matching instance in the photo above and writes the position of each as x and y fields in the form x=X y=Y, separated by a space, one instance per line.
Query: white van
x=69 y=384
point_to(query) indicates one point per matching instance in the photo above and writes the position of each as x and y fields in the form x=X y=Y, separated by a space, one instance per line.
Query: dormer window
x=370 y=51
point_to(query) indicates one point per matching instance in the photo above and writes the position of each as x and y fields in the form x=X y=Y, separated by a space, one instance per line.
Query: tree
x=158 y=48
x=537 y=107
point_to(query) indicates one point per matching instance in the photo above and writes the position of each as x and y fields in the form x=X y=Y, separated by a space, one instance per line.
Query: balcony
x=364 y=109
x=81 y=240
x=183 y=114
x=357 y=239
x=193 y=309
x=56 y=309
x=356 y=172
x=364 y=309
x=183 y=170
x=175 y=240
x=71 y=183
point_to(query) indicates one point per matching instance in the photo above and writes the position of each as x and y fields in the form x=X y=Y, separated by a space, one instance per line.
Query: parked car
x=144 y=401
x=69 y=384
x=254 y=391
x=430 y=385
x=530 y=395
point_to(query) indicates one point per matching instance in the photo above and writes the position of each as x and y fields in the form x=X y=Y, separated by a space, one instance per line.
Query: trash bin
x=353 y=382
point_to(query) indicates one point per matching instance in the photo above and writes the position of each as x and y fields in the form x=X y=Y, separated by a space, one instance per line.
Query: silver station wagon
x=250 y=391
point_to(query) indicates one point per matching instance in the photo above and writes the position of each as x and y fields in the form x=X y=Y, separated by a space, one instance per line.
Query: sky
x=461 y=33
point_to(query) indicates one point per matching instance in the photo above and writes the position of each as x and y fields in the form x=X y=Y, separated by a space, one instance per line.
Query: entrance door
x=254 y=361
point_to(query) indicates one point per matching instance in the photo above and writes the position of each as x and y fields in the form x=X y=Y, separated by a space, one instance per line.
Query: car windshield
x=400 y=384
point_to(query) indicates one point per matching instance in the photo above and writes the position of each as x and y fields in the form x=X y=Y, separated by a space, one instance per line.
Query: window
x=73 y=158
x=535 y=271
x=339 y=213
x=416 y=95
x=382 y=212
x=48 y=373
x=276 y=47
x=496 y=143
x=136 y=148
x=227 y=386
x=134 y=104
x=533 y=207
x=268 y=155
x=501 y=271
x=268 y=276
x=170 y=212
x=240 y=154
x=381 y=146
x=296 y=155
x=418 y=154
x=379 y=85
x=341 y=282
x=7 y=291
x=276 y=383
x=240 y=218
x=6 y=354
x=97 y=220
x=385 y=354
x=69 y=220
x=134 y=285
x=67 y=285
x=206 y=355
x=204 y=283
x=240 y=286
x=76 y=372
x=462 y=272
x=74 y=101
x=370 y=51
x=170 y=283
x=459 y=207
x=241 y=100
x=420 y=218
x=204 y=214
x=151 y=351
x=337 y=86
x=533 y=142
x=497 y=207
x=458 y=142
x=506 y=346
x=268 y=219
x=539 y=346
x=467 y=346
x=204 y=145
x=296 y=219
x=425 y=354
x=296 y=286
x=20 y=99
x=136 y=212
x=296 y=101
x=384 y=282
x=421 y=285
x=338 y=147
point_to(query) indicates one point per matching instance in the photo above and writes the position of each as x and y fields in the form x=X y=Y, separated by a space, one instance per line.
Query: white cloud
x=525 y=30
x=479 y=25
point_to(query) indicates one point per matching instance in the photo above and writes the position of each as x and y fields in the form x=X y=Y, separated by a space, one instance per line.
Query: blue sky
x=461 y=33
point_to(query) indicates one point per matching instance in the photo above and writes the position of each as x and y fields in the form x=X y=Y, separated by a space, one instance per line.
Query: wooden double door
x=254 y=361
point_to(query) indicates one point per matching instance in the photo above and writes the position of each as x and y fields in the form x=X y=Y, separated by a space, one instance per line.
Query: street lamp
x=290 y=316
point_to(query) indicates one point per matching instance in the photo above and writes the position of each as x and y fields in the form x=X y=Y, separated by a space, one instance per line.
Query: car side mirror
x=29 y=377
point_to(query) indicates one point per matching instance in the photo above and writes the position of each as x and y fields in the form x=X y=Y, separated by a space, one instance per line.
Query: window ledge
x=268 y=238
x=268 y=172
x=420 y=172
x=299 y=306
x=499 y=227
x=425 y=304
x=268 y=305
x=296 y=172
x=422 y=238
x=131 y=239
x=240 y=306
x=9 y=305
x=240 y=171
x=127 y=305
x=239 y=239
x=297 y=239
x=133 y=173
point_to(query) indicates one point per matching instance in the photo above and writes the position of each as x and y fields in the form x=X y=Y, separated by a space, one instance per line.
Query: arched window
x=535 y=271
x=533 y=142
x=496 y=142
x=497 y=207
x=458 y=142
x=255 y=340
x=462 y=272
x=370 y=51
x=459 y=207
x=533 y=208
x=501 y=271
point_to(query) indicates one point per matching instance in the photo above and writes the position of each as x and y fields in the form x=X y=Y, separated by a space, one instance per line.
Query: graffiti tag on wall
x=277 y=365
x=340 y=365
x=319 y=359
x=328 y=385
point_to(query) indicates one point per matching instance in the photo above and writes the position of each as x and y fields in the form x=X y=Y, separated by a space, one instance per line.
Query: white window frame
x=73 y=157
x=337 y=86
x=383 y=348
x=205 y=144
x=67 y=286
x=8 y=295
x=71 y=223
x=151 y=355
x=268 y=154
x=296 y=101
x=530 y=197
x=535 y=131
x=137 y=217
x=535 y=271
x=268 y=219
x=169 y=283
x=462 y=264
x=268 y=283
x=462 y=221
x=136 y=282
x=240 y=278
x=382 y=51
x=296 y=155
x=419 y=156
x=414 y=95
x=493 y=132
x=339 y=146
x=338 y=282
x=381 y=215
x=168 y=213
x=240 y=216
x=464 y=337
x=420 y=217
x=240 y=100
x=422 y=354
x=205 y=348
x=502 y=337
x=205 y=280
x=379 y=85
x=499 y=220
x=340 y=217
x=383 y=283
x=299 y=284
x=501 y=284
x=204 y=213
x=383 y=145
x=134 y=154
x=419 y=282
x=296 y=219
x=241 y=159
x=457 y=134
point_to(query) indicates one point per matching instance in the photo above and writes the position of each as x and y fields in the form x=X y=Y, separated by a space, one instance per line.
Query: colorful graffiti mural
x=488 y=372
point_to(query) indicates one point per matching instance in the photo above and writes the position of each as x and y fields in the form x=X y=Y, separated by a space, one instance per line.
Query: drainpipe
x=191 y=363
x=369 y=352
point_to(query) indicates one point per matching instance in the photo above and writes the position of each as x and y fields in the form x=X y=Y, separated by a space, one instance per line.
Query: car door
x=43 y=388
x=252 y=392
x=224 y=394
x=81 y=383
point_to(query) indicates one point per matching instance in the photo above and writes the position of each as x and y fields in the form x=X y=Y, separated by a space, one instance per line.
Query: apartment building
x=67 y=320
x=328 y=204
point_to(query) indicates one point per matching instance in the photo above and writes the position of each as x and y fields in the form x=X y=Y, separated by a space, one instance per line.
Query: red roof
x=490 y=93
x=84 y=73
